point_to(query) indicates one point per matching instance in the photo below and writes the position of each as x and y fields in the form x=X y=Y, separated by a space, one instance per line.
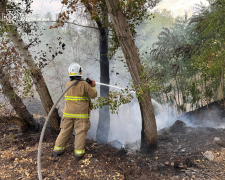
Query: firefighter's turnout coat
x=76 y=116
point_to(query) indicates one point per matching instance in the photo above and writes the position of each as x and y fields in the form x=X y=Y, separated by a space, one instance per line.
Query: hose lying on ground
x=43 y=130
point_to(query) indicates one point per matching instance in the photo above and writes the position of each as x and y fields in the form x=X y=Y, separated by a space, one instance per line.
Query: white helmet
x=75 y=70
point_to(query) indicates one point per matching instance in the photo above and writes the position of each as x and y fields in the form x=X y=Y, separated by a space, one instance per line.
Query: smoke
x=163 y=114
x=126 y=126
x=203 y=117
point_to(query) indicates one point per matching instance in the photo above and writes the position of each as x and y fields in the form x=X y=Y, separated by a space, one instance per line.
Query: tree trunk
x=104 y=115
x=16 y=102
x=36 y=76
x=149 y=130
x=14 y=120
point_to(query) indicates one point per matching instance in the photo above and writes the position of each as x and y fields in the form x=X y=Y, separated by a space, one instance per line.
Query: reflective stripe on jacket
x=77 y=99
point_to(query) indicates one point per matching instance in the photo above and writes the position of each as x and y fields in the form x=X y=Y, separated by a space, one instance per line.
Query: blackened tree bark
x=104 y=114
x=25 y=119
x=127 y=44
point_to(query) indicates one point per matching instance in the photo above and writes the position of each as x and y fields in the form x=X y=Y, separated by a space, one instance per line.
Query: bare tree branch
x=73 y=24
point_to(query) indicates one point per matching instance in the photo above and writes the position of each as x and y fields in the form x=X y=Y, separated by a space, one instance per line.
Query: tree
x=209 y=58
x=35 y=72
x=135 y=12
x=25 y=119
x=104 y=115
x=189 y=58
x=171 y=56
x=126 y=41
x=36 y=76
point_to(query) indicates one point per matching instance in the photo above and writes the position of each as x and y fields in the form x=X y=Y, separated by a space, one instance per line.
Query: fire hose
x=45 y=124
x=43 y=130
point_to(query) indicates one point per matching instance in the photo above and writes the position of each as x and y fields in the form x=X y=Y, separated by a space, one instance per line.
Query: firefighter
x=76 y=113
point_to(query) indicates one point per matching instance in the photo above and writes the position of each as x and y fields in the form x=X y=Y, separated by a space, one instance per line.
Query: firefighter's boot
x=78 y=157
x=57 y=154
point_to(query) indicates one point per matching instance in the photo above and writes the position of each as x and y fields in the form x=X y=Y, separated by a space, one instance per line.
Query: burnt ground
x=212 y=115
x=179 y=156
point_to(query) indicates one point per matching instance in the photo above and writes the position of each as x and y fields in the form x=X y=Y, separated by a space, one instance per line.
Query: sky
x=178 y=7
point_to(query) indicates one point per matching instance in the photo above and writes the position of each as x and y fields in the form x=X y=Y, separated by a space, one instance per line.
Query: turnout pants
x=81 y=127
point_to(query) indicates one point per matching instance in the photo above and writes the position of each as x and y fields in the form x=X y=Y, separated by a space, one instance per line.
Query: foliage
x=189 y=57
x=134 y=10
x=27 y=82
x=114 y=100
x=149 y=83
x=209 y=58
x=12 y=66
x=31 y=33
x=170 y=59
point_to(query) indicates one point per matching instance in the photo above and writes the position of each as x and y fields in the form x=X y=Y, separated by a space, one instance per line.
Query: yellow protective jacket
x=78 y=101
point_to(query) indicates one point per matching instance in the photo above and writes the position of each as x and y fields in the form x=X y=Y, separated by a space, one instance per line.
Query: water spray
x=114 y=87
x=89 y=81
